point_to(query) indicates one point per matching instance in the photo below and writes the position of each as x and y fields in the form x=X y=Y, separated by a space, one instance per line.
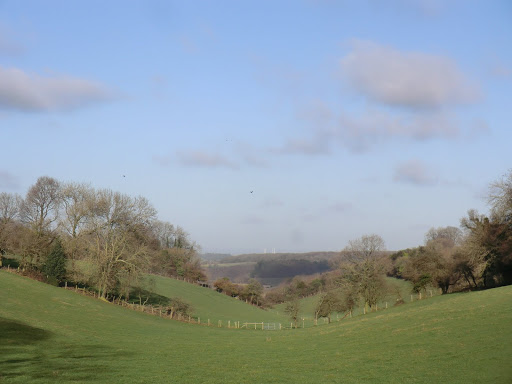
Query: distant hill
x=214 y=256
x=269 y=268
x=255 y=257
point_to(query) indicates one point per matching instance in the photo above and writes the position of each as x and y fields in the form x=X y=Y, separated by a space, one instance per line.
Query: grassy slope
x=308 y=304
x=209 y=304
x=49 y=335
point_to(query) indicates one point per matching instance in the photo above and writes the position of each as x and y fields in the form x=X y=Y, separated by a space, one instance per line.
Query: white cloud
x=414 y=172
x=34 y=93
x=411 y=79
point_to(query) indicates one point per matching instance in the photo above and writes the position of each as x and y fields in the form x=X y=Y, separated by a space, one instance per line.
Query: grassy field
x=50 y=335
x=209 y=304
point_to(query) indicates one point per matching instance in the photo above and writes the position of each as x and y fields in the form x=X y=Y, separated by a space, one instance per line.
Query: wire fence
x=302 y=322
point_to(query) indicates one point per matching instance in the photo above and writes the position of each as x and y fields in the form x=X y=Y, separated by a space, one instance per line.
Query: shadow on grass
x=33 y=354
x=16 y=333
x=139 y=295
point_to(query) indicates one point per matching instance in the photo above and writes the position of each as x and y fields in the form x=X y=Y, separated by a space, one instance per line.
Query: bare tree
x=118 y=227
x=164 y=232
x=292 y=309
x=40 y=207
x=329 y=302
x=451 y=236
x=500 y=199
x=9 y=213
x=363 y=268
x=9 y=206
x=76 y=199
x=365 y=249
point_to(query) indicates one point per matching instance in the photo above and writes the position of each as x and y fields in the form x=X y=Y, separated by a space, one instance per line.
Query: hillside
x=396 y=289
x=209 y=304
x=255 y=257
x=50 y=335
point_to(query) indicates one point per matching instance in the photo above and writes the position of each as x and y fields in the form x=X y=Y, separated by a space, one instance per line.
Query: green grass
x=209 y=304
x=50 y=335
x=308 y=304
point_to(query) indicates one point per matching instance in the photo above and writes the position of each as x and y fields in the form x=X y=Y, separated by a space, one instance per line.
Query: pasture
x=50 y=335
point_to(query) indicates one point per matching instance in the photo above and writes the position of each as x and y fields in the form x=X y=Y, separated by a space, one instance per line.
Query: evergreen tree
x=54 y=267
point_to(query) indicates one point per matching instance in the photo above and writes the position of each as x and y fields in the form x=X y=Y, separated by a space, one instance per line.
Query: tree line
x=96 y=237
x=252 y=292
x=478 y=255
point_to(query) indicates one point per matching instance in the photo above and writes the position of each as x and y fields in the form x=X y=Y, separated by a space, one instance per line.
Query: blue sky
x=343 y=118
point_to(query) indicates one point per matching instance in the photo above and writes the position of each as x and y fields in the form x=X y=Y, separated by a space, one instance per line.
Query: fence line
x=165 y=312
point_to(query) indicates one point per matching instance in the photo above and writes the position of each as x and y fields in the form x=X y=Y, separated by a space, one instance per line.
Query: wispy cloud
x=410 y=79
x=317 y=145
x=414 y=172
x=250 y=155
x=501 y=71
x=360 y=133
x=8 y=180
x=9 y=45
x=339 y=207
x=252 y=220
x=34 y=93
x=272 y=202
x=205 y=159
